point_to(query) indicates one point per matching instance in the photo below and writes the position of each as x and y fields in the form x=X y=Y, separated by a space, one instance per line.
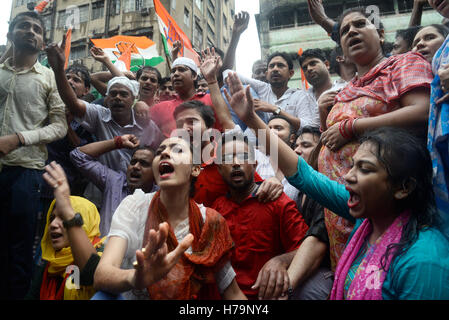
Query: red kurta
x=162 y=113
x=260 y=232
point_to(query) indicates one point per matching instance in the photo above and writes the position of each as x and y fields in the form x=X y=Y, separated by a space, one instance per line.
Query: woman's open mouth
x=165 y=170
x=354 y=198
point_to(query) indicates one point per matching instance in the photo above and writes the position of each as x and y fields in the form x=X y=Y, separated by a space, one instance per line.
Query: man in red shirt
x=184 y=74
x=266 y=235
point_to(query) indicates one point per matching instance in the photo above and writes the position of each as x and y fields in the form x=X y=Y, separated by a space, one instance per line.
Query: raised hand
x=56 y=55
x=210 y=65
x=155 y=261
x=98 y=54
x=241 y=100
x=56 y=178
x=177 y=46
x=130 y=141
x=241 y=21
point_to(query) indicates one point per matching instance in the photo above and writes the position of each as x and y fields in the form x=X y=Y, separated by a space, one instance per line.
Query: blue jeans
x=19 y=208
x=102 y=295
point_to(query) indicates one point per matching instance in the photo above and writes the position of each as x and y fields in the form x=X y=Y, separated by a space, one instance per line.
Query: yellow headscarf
x=58 y=261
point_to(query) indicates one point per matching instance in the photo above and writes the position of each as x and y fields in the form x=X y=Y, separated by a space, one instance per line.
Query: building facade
x=205 y=22
x=286 y=25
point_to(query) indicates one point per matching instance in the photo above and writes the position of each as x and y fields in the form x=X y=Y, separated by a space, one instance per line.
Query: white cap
x=186 y=62
x=132 y=85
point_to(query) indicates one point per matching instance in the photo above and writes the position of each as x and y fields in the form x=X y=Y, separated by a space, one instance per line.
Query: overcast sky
x=4 y=19
x=248 y=50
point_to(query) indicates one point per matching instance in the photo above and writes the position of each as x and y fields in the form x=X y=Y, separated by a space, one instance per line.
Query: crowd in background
x=206 y=184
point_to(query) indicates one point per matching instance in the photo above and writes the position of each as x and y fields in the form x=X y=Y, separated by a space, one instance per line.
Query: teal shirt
x=421 y=273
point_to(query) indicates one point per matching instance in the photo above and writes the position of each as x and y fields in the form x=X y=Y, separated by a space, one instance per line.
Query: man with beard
x=266 y=235
x=277 y=98
x=108 y=122
x=32 y=115
x=115 y=185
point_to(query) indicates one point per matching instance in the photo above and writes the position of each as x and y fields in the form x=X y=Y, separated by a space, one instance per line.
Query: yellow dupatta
x=58 y=261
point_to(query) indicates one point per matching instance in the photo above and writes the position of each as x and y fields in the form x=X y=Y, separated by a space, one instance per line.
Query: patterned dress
x=377 y=92
x=438 y=138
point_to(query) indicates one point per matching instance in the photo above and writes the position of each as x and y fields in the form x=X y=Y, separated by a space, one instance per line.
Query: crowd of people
x=206 y=184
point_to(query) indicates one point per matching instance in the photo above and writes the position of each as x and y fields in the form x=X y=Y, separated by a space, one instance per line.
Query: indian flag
x=129 y=52
x=171 y=32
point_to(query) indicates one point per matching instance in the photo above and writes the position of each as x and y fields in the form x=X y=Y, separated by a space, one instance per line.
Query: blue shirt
x=421 y=272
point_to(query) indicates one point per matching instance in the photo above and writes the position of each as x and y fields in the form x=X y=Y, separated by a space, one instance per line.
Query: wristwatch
x=77 y=221
x=277 y=111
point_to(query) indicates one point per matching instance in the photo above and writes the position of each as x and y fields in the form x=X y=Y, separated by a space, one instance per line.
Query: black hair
x=334 y=64
x=310 y=129
x=32 y=15
x=144 y=147
x=408 y=35
x=366 y=13
x=206 y=112
x=151 y=69
x=279 y=116
x=312 y=53
x=284 y=55
x=441 y=28
x=406 y=160
x=82 y=71
x=237 y=136
x=164 y=80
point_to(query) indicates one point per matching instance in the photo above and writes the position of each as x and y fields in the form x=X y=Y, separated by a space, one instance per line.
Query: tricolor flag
x=68 y=46
x=171 y=32
x=41 y=6
x=129 y=52
x=305 y=84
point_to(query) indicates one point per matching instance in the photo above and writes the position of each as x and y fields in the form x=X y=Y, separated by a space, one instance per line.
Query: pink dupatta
x=369 y=278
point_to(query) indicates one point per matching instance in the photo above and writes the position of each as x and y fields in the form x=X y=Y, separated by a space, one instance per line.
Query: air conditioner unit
x=145 y=11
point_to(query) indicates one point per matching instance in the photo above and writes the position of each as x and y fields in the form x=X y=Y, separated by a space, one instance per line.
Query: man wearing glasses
x=266 y=235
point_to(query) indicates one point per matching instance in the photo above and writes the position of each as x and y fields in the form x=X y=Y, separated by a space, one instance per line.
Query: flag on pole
x=41 y=6
x=171 y=32
x=68 y=46
x=129 y=52
x=304 y=82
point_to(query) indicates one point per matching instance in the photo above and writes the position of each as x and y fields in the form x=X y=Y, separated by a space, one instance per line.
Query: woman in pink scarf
x=396 y=250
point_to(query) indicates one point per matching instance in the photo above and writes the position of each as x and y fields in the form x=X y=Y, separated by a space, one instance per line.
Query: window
x=47 y=22
x=23 y=2
x=173 y=4
x=84 y=13
x=97 y=10
x=407 y=6
x=210 y=43
x=210 y=16
x=212 y=4
x=210 y=32
x=143 y=4
x=198 y=36
x=78 y=53
x=186 y=17
x=281 y=18
x=225 y=22
x=115 y=7
x=62 y=18
x=129 y=6
x=199 y=4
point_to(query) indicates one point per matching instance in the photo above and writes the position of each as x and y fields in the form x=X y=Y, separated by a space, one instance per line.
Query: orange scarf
x=193 y=277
